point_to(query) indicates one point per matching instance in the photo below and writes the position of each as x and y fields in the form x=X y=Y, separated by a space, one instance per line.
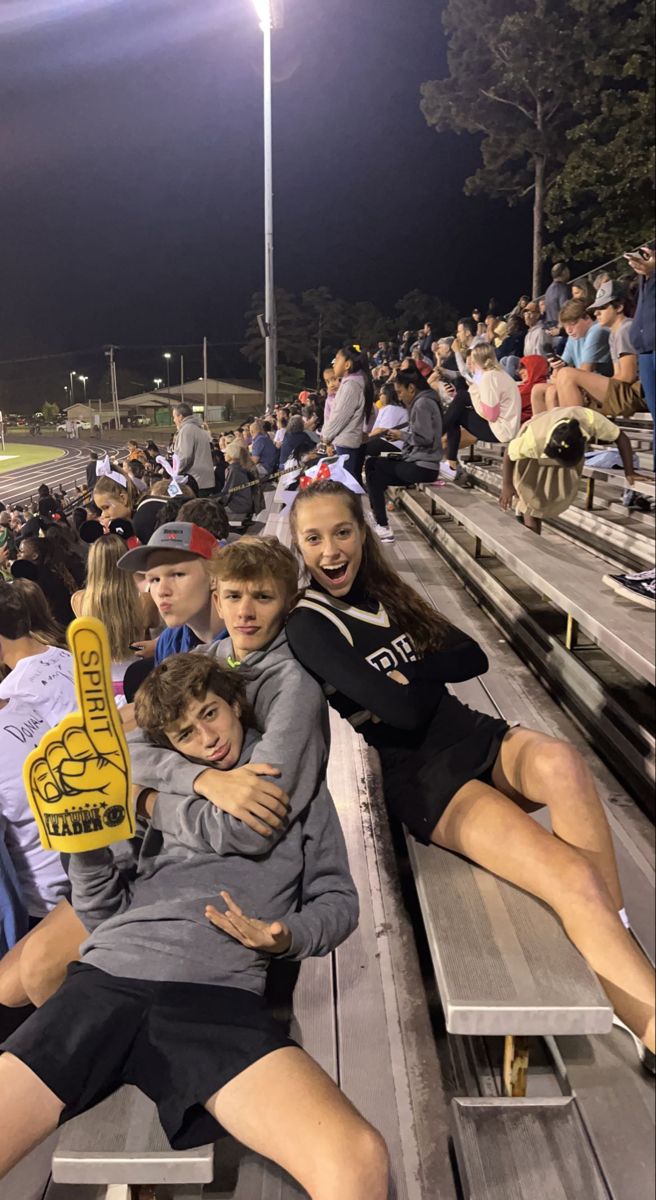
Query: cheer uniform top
x=429 y=742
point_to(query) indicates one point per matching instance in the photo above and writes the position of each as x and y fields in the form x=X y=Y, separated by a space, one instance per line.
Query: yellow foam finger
x=78 y=779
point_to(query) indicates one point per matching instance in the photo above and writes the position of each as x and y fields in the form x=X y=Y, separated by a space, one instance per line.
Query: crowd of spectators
x=156 y=547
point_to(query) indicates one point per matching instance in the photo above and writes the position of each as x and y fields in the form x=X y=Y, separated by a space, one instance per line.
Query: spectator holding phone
x=621 y=395
x=587 y=349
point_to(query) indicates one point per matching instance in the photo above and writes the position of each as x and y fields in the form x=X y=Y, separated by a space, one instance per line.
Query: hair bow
x=104 y=467
x=173 y=469
x=306 y=481
x=331 y=468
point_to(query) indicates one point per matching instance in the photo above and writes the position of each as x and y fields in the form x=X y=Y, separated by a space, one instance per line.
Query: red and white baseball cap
x=176 y=537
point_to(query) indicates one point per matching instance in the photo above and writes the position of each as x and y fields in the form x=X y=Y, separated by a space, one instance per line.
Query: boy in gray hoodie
x=168 y=995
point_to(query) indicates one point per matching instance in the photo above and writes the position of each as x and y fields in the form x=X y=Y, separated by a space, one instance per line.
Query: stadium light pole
x=84 y=379
x=269 y=12
x=167 y=356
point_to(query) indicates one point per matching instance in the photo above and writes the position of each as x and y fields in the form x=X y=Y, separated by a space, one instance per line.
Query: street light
x=167 y=356
x=84 y=380
x=71 y=376
x=270 y=14
x=158 y=382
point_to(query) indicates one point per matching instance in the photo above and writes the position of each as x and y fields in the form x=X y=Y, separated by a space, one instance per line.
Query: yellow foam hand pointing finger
x=78 y=779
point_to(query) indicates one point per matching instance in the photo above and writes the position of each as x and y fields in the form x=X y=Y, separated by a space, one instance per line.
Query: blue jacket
x=643 y=333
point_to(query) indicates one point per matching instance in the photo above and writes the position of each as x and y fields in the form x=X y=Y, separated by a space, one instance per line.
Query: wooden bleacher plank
x=573 y=584
x=525 y=1150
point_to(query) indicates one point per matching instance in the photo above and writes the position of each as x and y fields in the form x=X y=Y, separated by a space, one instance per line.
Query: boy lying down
x=168 y=992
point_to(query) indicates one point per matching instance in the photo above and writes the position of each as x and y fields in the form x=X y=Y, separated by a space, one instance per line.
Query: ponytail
x=360 y=362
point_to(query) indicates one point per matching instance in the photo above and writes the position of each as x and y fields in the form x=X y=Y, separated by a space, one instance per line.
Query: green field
x=18 y=454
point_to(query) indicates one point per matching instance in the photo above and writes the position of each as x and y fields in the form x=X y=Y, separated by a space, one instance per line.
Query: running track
x=17 y=487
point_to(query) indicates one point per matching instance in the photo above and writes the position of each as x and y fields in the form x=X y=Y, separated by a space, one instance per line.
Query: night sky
x=131 y=147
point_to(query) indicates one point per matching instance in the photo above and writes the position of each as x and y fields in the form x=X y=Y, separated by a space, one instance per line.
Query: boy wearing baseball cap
x=621 y=395
x=256 y=582
x=175 y=562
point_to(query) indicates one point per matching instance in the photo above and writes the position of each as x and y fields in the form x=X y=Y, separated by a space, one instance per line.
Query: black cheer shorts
x=178 y=1042
x=460 y=745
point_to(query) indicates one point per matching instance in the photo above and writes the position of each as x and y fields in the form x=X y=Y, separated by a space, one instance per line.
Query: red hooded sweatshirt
x=538 y=370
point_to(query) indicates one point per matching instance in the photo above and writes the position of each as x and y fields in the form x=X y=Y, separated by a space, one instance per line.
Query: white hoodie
x=33 y=697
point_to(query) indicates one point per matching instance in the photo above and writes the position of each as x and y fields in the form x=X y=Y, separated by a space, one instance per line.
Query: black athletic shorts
x=178 y=1042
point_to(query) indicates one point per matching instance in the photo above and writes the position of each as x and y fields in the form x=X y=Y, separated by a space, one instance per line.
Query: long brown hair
x=43 y=626
x=428 y=628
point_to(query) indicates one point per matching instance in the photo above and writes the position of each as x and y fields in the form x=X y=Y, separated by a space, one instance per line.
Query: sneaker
x=384 y=533
x=640 y=588
x=646 y=1056
x=450 y=474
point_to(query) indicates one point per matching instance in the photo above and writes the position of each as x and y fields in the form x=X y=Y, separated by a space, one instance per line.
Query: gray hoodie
x=193 y=448
x=423 y=446
x=193 y=850
x=346 y=422
x=154 y=926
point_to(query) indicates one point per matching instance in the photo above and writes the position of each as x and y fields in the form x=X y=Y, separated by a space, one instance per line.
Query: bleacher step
x=525 y=1150
x=502 y=960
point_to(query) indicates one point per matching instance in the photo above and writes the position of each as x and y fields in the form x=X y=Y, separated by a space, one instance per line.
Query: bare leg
x=571 y=385
x=543 y=771
x=493 y=831
x=36 y=966
x=538 y=398
x=29 y=1111
x=551 y=397
x=286 y=1108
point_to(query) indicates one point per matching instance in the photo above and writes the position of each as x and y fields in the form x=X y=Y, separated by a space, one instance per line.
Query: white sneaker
x=384 y=533
x=449 y=473
x=646 y=1056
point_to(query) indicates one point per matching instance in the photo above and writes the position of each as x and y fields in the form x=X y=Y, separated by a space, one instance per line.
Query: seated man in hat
x=621 y=395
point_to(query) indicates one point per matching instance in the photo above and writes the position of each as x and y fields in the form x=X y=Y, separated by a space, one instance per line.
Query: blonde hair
x=126 y=493
x=112 y=596
x=161 y=488
x=485 y=358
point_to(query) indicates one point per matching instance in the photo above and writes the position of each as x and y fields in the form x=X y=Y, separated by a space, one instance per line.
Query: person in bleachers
x=36 y=692
x=533 y=369
x=586 y=349
x=351 y=408
x=643 y=330
x=583 y=290
x=241 y=495
x=202 y=920
x=621 y=395
x=264 y=453
x=296 y=442
x=389 y=415
x=111 y=596
x=538 y=340
x=419 y=460
x=556 y=296
x=490 y=409
x=543 y=465
x=457 y=778
x=175 y=563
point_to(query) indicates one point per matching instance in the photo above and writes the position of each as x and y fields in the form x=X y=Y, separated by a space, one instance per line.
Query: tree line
x=561 y=95
x=311 y=326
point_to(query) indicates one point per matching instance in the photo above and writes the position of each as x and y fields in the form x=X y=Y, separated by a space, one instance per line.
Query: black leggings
x=389 y=472
x=461 y=414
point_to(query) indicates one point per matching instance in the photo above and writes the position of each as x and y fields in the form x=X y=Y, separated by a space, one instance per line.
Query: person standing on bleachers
x=352 y=406
x=643 y=330
x=458 y=778
x=193 y=448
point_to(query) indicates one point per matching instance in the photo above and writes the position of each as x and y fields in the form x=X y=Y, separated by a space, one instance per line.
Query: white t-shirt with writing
x=38 y=693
